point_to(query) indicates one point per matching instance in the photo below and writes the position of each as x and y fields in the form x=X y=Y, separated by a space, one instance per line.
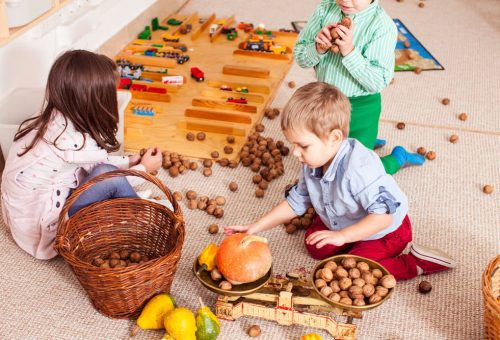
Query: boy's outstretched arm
x=369 y=225
x=278 y=215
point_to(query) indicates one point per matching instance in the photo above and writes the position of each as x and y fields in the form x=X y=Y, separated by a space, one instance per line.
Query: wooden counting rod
x=219 y=104
x=218 y=115
x=246 y=71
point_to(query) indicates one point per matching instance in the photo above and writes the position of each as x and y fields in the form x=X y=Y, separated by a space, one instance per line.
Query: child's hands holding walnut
x=324 y=39
x=345 y=38
x=324 y=237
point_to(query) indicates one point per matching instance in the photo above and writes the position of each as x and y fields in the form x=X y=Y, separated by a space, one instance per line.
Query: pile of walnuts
x=212 y=206
x=177 y=164
x=265 y=157
x=353 y=283
x=302 y=222
x=273 y=113
x=119 y=259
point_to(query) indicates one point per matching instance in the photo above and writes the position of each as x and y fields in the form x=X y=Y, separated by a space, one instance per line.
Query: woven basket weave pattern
x=135 y=224
x=491 y=295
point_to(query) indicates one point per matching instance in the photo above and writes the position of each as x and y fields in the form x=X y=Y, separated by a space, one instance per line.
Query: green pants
x=365 y=114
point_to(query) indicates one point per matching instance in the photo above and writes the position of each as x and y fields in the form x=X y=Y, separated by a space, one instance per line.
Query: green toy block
x=154 y=24
x=146 y=34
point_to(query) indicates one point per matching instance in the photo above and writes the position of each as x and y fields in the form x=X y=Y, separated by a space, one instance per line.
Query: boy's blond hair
x=319 y=108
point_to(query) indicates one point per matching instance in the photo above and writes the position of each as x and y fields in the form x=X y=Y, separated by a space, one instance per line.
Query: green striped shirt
x=369 y=67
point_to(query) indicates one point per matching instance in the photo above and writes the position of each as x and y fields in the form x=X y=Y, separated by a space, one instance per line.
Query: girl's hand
x=152 y=160
x=345 y=42
x=133 y=160
x=324 y=39
x=229 y=230
x=324 y=237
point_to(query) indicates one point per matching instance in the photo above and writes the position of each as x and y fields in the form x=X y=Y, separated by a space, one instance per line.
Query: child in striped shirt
x=364 y=66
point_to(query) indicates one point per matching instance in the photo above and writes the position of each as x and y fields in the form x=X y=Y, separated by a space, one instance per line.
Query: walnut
x=355 y=291
x=406 y=43
x=191 y=195
x=417 y=70
x=263 y=185
x=124 y=254
x=326 y=274
x=421 y=4
x=259 y=127
x=488 y=189
x=463 y=116
x=113 y=263
x=230 y=139
x=218 y=212
x=135 y=256
x=326 y=290
x=233 y=186
x=211 y=209
x=201 y=136
x=173 y=171
x=344 y=293
x=223 y=162
x=349 y=263
x=254 y=331
x=425 y=287
x=400 y=126
x=445 y=101
x=354 y=273
x=214 y=154
x=363 y=266
x=374 y=298
x=291 y=84
x=358 y=302
x=207 y=172
x=228 y=149
x=358 y=282
x=382 y=291
x=219 y=200
x=421 y=151
x=290 y=229
x=431 y=155
x=377 y=273
x=177 y=196
x=346 y=301
x=259 y=193
x=319 y=283
x=388 y=281
x=256 y=179
x=453 y=139
x=98 y=261
x=114 y=255
x=345 y=283
x=215 y=274
x=207 y=163
x=368 y=290
x=335 y=297
x=192 y=204
x=193 y=166
x=341 y=272
x=190 y=136
x=369 y=278
x=225 y=285
x=213 y=229
x=335 y=286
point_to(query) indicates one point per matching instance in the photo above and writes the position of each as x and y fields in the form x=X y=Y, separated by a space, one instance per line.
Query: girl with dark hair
x=63 y=147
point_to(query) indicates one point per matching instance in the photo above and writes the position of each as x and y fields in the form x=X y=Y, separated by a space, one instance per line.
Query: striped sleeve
x=373 y=67
x=305 y=52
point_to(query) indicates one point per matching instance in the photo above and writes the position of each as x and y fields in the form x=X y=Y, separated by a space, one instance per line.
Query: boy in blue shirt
x=360 y=208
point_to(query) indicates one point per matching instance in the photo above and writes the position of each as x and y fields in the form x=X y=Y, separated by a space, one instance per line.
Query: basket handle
x=120 y=173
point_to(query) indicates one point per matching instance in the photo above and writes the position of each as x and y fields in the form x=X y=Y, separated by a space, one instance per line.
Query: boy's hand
x=324 y=39
x=133 y=160
x=152 y=159
x=324 y=237
x=345 y=43
x=233 y=229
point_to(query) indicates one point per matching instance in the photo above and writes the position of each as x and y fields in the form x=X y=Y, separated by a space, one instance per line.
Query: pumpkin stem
x=252 y=238
x=201 y=301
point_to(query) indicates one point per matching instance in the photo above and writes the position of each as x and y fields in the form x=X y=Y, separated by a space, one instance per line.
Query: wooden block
x=218 y=115
x=251 y=87
x=193 y=18
x=228 y=23
x=273 y=56
x=246 y=71
x=203 y=27
x=215 y=93
x=219 y=104
x=145 y=60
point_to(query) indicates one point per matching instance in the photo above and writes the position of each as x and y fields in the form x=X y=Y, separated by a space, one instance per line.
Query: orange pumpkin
x=243 y=258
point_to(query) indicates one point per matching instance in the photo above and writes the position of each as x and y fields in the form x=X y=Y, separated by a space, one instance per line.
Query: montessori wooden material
x=203 y=106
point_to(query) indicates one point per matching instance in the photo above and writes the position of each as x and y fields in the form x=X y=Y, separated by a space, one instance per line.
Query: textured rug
x=43 y=299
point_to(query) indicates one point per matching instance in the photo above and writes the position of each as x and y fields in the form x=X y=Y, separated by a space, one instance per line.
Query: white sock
x=420 y=271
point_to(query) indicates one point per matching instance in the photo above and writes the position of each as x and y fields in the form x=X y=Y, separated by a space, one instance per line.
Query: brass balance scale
x=290 y=299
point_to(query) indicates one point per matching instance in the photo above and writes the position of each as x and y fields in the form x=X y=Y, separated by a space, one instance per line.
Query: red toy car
x=237 y=101
x=197 y=74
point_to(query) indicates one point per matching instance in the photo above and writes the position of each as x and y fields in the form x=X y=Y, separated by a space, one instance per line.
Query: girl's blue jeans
x=116 y=187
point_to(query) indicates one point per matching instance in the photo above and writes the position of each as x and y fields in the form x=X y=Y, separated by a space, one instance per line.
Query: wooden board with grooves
x=202 y=105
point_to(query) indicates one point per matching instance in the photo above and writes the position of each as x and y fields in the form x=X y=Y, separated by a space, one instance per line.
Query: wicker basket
x=491 y=295
x=140 y=225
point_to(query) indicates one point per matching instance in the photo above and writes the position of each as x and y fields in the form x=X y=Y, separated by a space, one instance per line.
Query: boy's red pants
x=386 y=250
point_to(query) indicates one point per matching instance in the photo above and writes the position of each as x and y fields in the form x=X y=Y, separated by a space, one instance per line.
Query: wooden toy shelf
x=201 y=105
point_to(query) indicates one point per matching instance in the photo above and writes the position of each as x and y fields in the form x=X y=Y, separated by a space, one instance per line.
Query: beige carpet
x=43 y=300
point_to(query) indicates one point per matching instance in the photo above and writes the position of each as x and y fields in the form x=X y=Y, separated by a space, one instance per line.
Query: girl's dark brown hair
x=82 y=87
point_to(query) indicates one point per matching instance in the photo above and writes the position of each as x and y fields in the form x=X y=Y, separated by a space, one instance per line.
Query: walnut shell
x=341 y=272
x=326 y=274
x=388 y=281
x=215 y=274
x=335 y=286
x=368 y=290
x=349 y=263
x=326 y=290
x=377 y=273
x=374 y=298
x=345 y=283
x=358 y=282
x=346 y=301
x=354 y=273
x=359 y=302
x=369 y=278
x=225 y=285
x=363 y=266
x=382 y=291
x=355 y=291
x=320 y=283
x=335 y=297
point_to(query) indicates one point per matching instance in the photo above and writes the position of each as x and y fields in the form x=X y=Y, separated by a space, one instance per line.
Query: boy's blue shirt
x=354 y=185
